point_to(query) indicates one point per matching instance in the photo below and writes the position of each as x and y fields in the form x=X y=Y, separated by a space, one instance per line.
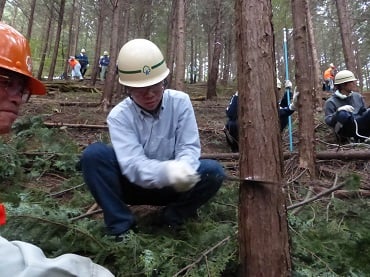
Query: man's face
x=148 y=97
x=12 y=89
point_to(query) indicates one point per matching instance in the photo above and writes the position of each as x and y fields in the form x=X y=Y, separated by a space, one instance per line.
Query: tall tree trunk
x=217 y=44
x=263 y=228
x=57 y=39
x=109 y=82
x=70 y=39
x=171 y=43
x=346 y=34
x=46 y=40
x=30 y=20
x=2 y=6
x=316 y=84
x=180 y=47
x=228 y=50
x=99 y=32
x=77 y=22
x=304 y=77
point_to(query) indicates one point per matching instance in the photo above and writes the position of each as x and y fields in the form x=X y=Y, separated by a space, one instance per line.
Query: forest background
x=199 y=38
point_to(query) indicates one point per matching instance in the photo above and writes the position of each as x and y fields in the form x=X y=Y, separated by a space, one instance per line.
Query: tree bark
x=109 y=82
x=304 y=77
x=180 y=45
x=263 y=228
x=57 y=39
x=217 y=49
x=346 y=34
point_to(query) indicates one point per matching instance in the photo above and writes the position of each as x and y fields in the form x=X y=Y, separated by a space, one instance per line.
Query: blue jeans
x=113 y=191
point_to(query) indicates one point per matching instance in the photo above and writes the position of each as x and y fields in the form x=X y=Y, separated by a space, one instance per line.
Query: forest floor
x=73 y=107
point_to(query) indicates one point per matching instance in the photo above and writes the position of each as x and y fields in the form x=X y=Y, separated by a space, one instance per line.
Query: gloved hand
x=347 y=108
x=288 y=84
x=293 y=105
x=181 y=176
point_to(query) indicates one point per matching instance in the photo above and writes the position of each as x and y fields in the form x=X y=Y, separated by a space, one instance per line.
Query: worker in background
x=329 y=75
x=231 y=128
x=103 y=65
x=345 y=111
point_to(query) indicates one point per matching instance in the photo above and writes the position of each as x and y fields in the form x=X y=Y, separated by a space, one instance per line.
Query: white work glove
x=293 y=105
x=288 y=84
x=347 y=108
x=181 y=176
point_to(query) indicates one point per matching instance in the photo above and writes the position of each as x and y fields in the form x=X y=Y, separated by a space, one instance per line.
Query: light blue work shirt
x=143 y=142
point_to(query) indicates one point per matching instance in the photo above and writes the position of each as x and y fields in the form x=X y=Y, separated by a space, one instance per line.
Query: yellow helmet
x=141 y=64
x=344 y=76
x=15 y=55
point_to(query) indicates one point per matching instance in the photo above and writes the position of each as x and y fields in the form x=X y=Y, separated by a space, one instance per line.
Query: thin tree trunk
x=180 y=47
x=30 y=20
x=171 y=43
x=109 y=82
x=304 y=77
x=70 y=39
x=316 y=84
x=2 y=6
x=346 y=34
x=46 y=41
x=217 y=44
x=57 y=40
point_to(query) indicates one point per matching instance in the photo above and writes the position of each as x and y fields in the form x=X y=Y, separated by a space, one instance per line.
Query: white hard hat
x=278 y=83
x=105 y=53
x=141 y=64
x=83 y=50
x=344 y=76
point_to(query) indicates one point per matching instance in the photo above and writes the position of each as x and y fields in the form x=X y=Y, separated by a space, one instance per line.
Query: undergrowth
x=328 y=238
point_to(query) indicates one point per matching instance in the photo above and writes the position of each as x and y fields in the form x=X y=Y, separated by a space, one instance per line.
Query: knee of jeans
x=95 y=151
x=343 y=116
x=212 y=168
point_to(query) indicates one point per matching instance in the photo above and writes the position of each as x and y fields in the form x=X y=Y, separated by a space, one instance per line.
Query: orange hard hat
x=15 y=55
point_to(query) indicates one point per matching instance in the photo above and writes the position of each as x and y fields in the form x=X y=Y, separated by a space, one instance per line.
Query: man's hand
x=293 y=105
x=347 y=108
x=288 y=84
x=181 y=176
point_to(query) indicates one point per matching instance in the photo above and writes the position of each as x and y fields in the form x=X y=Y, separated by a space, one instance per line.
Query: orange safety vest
x=73 y=62
x=328 y=74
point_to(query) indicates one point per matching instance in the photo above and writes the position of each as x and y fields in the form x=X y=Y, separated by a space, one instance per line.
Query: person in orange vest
x=329 y=75
x=18 y=258
x=76 y=68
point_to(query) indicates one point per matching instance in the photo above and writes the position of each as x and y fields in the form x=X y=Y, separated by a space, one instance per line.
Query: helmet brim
x=36 y=87
x=145 y=83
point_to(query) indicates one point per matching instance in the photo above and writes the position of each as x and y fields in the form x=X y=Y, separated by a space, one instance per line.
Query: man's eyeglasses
x=142 y=91
x=14 y=86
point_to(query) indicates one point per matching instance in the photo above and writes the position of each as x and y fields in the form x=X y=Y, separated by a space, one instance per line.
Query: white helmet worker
x=141 y=64
x=344 y=76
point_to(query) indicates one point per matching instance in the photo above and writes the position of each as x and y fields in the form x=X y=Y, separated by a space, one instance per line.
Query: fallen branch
x=322 y=155
x=78 y=125
x=318 y=196
x=86 y=214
